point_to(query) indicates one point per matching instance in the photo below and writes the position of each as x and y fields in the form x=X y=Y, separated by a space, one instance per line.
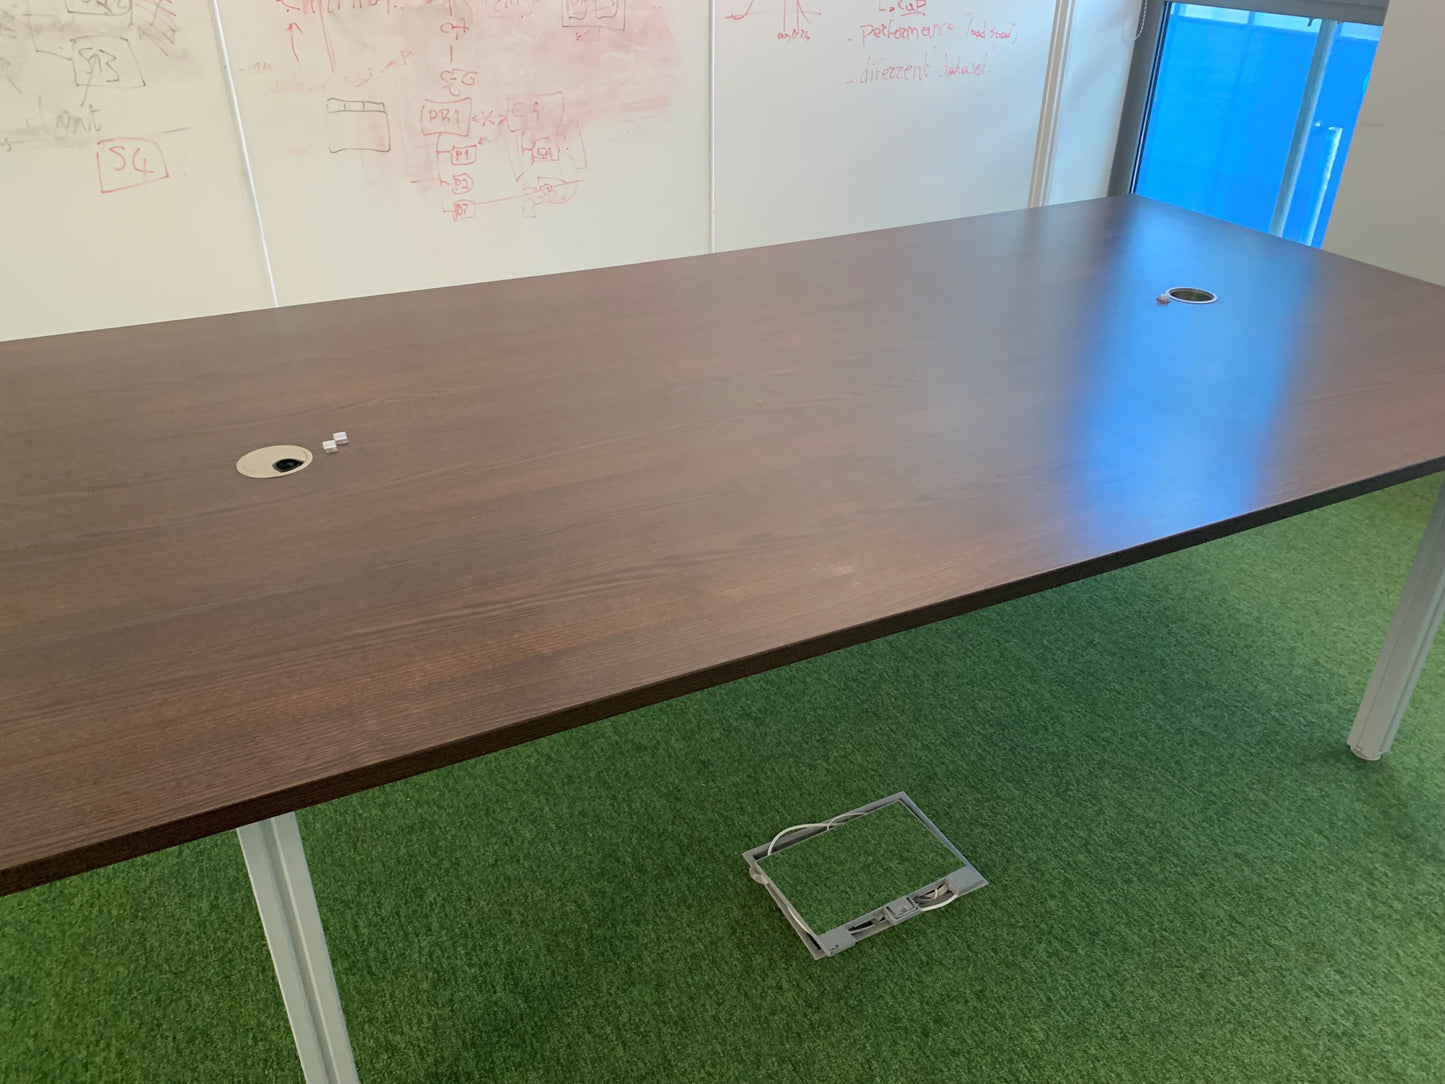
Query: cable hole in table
x=1191 y=295
x=276 y=461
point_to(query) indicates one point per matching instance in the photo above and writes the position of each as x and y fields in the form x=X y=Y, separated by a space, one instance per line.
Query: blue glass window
x=1230 y=90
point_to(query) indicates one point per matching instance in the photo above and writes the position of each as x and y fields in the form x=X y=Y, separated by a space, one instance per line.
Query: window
x=1247 y=114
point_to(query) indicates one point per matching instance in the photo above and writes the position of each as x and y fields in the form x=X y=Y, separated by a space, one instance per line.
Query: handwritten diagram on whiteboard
x=405 y=144
x=834 y=116
x=402 y=144
x=123 y=196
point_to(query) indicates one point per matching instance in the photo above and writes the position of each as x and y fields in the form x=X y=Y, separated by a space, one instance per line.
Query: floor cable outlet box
x=860 y=873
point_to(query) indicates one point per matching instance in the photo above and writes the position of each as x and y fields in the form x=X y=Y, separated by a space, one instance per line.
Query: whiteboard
x=389 y=145
x=405 y=144
x=123 y=195
x=837 y=116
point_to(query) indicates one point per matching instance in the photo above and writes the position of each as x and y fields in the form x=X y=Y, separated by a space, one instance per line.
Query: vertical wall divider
x=712 y=126
x=245 y=151
x=1046 y=144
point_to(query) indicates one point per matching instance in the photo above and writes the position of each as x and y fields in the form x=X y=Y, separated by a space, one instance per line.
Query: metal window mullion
x=1139 y=97
x=1303 y=123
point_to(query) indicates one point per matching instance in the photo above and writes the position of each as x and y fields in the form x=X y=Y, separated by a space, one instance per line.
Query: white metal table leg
x=1417 y=618
x=282 y=884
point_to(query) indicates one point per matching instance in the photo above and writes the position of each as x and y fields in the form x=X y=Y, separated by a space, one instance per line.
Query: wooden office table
x=565 y=497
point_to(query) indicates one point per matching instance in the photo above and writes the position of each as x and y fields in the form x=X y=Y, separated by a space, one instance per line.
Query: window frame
x=1149 y=47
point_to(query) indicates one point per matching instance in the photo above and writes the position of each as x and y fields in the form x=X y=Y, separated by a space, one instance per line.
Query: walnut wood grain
x=570 y=496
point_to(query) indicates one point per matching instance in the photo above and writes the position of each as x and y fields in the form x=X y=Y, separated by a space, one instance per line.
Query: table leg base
x=1416 y=620
x=281 y=882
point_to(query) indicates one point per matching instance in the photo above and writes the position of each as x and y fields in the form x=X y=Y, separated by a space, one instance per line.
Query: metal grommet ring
x=1190 y=295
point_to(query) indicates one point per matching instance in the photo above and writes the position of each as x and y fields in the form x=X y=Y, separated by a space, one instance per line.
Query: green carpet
x=1191 y=879
x=858 y=866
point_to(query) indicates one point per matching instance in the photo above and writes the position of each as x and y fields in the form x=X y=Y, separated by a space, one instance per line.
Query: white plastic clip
x=341 y=437
x=328 y=446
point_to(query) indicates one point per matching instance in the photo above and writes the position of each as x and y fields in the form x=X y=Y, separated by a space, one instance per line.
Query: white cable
x=937 y=906
x=825 y=825
x=794 y=828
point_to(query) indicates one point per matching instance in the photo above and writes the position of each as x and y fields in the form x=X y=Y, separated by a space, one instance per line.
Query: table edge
x=36 y=872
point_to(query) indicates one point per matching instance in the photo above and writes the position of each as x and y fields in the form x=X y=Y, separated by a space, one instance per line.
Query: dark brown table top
x=570 y=496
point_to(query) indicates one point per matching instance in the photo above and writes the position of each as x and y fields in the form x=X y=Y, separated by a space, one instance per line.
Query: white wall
x=1095 y=76
x=1390 y=210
